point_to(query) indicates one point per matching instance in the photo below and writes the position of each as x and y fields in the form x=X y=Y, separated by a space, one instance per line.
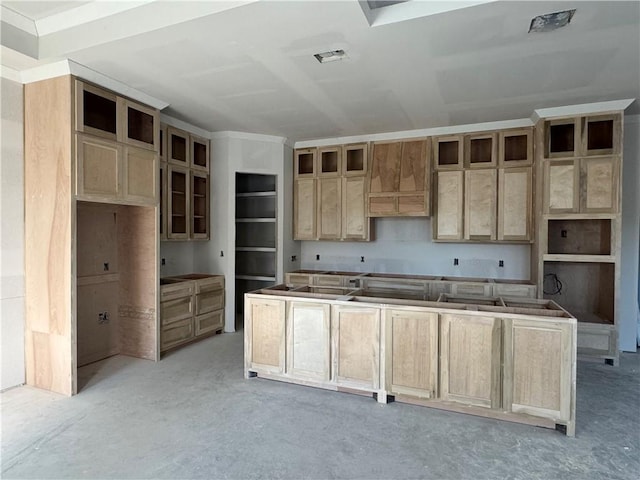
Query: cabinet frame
x=170 y=234
x=470 y=204
x=80 y=88
x=193 y=139
x=172 y=131
x=458 y=178
x=123 y=107
x=128 y=180
x=337 y=151
x=436 y=141
x=364 y=148
x=616 y=140
x=577 y=138
x=468 y=139
x=503 y=136
x=503 y=206
x=82 y=190
x=192 y=211
x=299 y=152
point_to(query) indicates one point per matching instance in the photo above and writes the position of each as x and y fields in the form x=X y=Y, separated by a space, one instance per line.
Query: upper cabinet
x=330 y=193
x=400 y=179
x=583 y=136
x=186 y=181
x=117 y=142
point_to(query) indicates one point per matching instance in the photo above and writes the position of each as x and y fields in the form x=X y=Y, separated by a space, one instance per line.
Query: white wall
x=11 y=236
x=629 y=328
x=403 y=245
x=231 y=153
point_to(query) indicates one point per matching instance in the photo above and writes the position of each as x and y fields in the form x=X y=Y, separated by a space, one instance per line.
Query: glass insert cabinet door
x=96 y=111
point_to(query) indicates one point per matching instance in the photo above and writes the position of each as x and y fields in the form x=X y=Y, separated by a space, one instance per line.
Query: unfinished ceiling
x=250 y=66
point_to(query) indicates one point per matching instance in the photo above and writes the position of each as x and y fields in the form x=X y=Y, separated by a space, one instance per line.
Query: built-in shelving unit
x=255 y=251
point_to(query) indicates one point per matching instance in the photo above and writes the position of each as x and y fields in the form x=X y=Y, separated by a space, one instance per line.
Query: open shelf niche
x=256 y=252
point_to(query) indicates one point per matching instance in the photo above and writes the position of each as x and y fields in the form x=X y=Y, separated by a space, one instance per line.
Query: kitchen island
x=508 y=358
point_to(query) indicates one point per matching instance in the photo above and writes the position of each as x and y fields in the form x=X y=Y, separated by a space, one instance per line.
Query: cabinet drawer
x=208 y=301
x=514 y=290
x=210 y=284
x=209 y=322
x=328 y=280
x=471 y=289
x=176 y=333
x=298 y=279
x=177 y=290
x=178 y=309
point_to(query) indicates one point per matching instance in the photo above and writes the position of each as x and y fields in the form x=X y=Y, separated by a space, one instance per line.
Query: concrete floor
x=192 y=415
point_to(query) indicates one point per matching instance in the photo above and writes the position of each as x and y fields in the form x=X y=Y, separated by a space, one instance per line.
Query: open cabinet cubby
x=448 y=153
x=516 y=148
x=561 y=139
x=256 y=206
x=579 y=237
x=481 y=151
x=587 y=289
x=329 y=161
x=355 y=160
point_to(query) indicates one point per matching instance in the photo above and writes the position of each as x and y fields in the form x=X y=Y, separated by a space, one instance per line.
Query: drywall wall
x=403 y=245
x=629 y=328
x=178 y=258
x=231 y=153
x=11 y=236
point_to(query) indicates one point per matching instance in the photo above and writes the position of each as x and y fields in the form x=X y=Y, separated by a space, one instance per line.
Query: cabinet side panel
x=49 y=223
x=138 y=309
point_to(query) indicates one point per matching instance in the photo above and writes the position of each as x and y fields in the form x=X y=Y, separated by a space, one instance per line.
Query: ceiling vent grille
x=551 y=21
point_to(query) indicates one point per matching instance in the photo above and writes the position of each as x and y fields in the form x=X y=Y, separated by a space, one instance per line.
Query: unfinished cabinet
x=412 y=353
x=448 y=152
x=199 y=153
x=400 y=178
x=470 y=356
x=602 y=134
x=561 y=138
x=309 y=340
x=199 y=206
x=140 y=176
x=305 y=162
x=515 y=208
x=538 y=369
x=515 y=147
x=480 y=197
x=304 y=209
x=140 y=125
x=355 y=224
x=62 y=252
x=178 y=147
x=329 y=205
x=329 y=161
x=355 y=346
x=480 y=150
x=265 y=339
x=178 y=212
x=448 y=224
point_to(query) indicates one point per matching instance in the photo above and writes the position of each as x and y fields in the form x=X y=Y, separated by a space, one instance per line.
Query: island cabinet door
x=412 y=353
x=355 y=345
x=470 y=351
x=308 y=340
x=264 y=335
x=538 y=368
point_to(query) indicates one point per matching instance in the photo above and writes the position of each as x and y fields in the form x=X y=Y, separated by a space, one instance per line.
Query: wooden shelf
x=255 y=249
x=256 y=277
x=578 y=258
x=255 y=220
x=256 y=194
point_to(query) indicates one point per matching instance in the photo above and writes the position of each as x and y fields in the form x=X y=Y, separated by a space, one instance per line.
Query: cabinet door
x=599 y=184
x=448 y=152
x=354 y=159
x=199 y=207
x=308 y=340
x=140 y=125
x=329 y=161
x=97 y=322
x=140 y=176
x=163 y=172
x=178 y=203
x=449 y=195
x=96 y=111
x=412 y=353
x=355 y=345
x=515 y=210
x=329 y=208
x=355 y=224
x=561 y=189
x=470 y=359
x=264 y=335
x=414 y=168
x=305 y=162
x=304 y=209
x=384 y=179
x=178 y=147
x=199 y=153
x=538 y=368
x=98 y=164
x=480 y=196
x=516 y=147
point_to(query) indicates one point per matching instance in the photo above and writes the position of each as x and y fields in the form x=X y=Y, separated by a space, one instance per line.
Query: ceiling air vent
x=551 y=21
x=330 y=56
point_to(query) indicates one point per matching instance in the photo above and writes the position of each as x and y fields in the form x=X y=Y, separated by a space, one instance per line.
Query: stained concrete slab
x=193 y=415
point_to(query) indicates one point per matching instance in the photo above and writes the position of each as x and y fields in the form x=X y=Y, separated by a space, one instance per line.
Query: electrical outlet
x=293 y=258
x=455 y=261
x=103 y=317
x=318 y=257
x=563 y=233
x=163 y=261
x=106 y=266
x=501 y=263
x=362 y=259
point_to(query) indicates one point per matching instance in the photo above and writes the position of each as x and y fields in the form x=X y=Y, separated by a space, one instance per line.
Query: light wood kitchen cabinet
x=96 y=111
x=355 y=224
x=470 y=356
x=305 y=162
x=304 y=209
x=538 y=368
x=199 y=206
x=400 y=178
x=412 y=353
x=330 y=161
x=586 y=185
x=178 y=211
x=515 y=147
x=355 y=340
x=481 y=150
x=140 y=176
x=178 y=147
x=355 y=159
x=515 y=209
x=449 y=206
x=265 y=338
x=308 y=340
x=199 y=150
x=329 y=206
x=140 y=125
x=98 y=168
x=448 y=152
x=163 y=172
x=480 y=197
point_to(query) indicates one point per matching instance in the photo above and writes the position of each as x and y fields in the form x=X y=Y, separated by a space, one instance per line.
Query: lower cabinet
x=308 y=340
x=264 y=335
x=355 y=338
x=470 y=359
x=412 y=359
x=538 y=368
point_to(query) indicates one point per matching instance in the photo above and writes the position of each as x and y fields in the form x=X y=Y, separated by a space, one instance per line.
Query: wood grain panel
x=97 y=239
x=413 y=166
x=355 y=224
x=308 y=340
x=98 y=168
x=49 y=222
x=304 y=209
x=385 y=167
x=599 y=185
x=140 y=176
x=515 y=203
x=480 y=200
x=97 y=322
x=561 y=187
x=449 y=205
x=329 y=208
x=267 y=342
